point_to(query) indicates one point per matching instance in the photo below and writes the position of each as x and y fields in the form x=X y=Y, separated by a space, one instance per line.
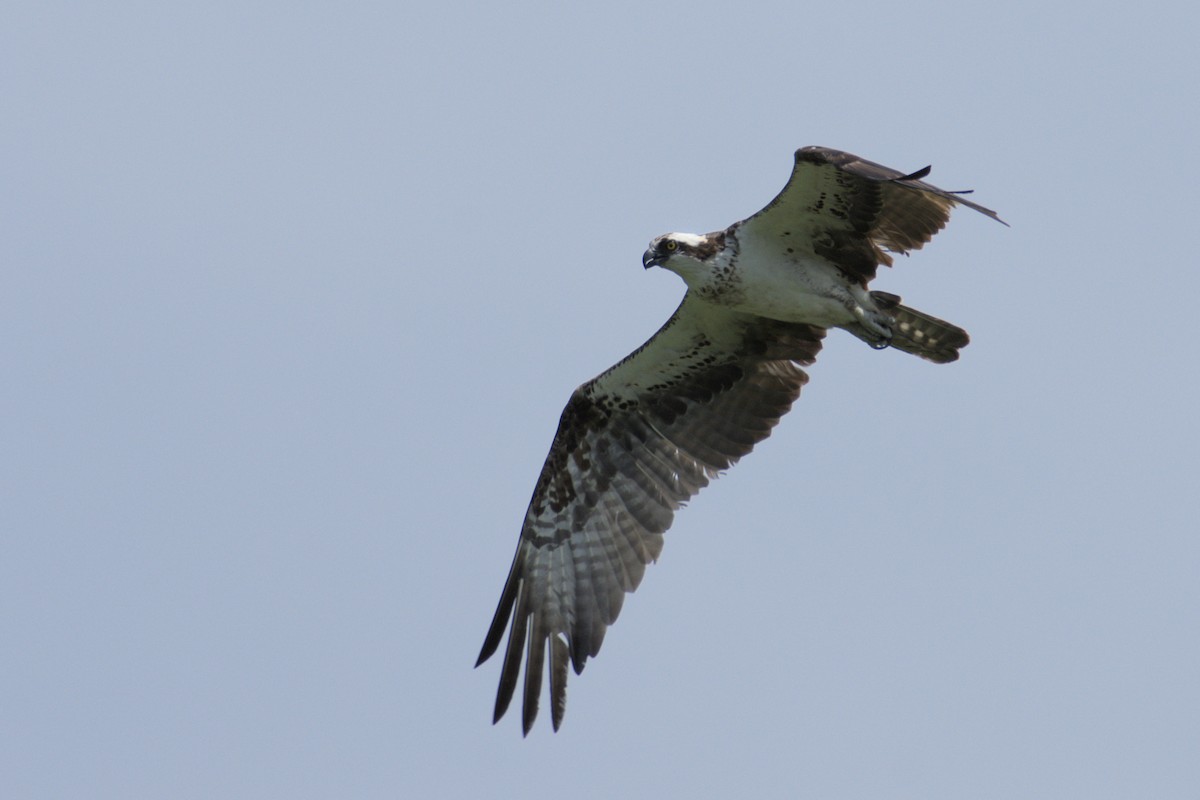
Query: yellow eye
x=671 y=245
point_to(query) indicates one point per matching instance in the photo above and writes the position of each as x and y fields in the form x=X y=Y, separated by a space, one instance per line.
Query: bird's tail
x=918 y=333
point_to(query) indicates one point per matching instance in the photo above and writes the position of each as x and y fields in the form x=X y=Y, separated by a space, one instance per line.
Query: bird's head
x=681 y=252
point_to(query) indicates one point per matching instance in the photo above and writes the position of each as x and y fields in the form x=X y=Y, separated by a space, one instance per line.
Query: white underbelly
x=812 y=292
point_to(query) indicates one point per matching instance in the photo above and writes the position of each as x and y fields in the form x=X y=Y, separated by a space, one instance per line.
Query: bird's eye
x=670 y=245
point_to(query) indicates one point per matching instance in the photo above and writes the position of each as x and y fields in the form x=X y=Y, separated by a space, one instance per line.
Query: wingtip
x=528 y=717
x=501 y=707
x=559 y=658
x=923 y=172
x=987 y=212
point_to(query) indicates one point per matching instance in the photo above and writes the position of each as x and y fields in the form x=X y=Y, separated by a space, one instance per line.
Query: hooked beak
x=652 y=259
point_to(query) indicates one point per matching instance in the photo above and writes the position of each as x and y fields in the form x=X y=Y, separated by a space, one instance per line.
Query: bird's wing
x=632 y=446
x=854 y=212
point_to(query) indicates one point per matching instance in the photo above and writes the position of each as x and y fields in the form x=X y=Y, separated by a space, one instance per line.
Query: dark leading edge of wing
x=632 y=446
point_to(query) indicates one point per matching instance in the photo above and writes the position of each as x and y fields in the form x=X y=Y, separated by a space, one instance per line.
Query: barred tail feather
x=914 y=332
x=925 y=336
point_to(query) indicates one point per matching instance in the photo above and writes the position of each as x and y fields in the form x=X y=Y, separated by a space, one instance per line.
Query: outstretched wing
x=854 y=212
x=632 y=445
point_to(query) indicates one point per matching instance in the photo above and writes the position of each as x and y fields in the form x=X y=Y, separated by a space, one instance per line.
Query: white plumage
x=644 y=436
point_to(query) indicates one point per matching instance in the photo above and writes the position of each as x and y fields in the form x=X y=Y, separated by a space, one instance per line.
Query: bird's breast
x=786 y=286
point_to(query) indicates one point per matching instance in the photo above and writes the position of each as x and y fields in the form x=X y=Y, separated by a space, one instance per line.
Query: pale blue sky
x=292 y=297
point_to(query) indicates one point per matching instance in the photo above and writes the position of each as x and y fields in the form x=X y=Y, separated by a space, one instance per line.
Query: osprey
x=634 y=443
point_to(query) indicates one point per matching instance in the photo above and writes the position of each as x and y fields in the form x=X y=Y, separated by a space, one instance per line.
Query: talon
x=877 y=325
x=881 y=326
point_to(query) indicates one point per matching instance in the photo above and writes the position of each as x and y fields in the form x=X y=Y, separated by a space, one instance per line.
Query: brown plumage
x=636 y=442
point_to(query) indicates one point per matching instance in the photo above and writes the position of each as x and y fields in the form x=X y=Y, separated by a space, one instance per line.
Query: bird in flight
x=637 y=441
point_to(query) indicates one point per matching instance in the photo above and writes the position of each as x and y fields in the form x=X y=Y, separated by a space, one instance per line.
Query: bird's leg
x=870 y=317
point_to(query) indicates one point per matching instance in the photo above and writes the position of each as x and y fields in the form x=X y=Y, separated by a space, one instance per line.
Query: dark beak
x=651 y=259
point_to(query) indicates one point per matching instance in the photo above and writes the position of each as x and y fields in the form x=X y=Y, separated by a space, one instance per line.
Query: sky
x=291 y=298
